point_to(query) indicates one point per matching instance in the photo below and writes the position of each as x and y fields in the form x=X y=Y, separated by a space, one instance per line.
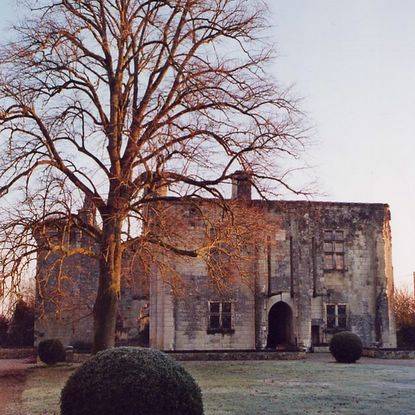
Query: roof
x=292 y=202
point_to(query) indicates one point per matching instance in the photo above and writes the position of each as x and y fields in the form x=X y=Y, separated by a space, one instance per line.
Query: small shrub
x=136 y=382
x=405 y=337
x=51 y=351
x=81 y=346
x=346 y=347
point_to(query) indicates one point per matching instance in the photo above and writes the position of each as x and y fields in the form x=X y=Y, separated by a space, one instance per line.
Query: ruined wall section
x=353 y=285
x=291 y=269
x=66 y=288
x=356 y=285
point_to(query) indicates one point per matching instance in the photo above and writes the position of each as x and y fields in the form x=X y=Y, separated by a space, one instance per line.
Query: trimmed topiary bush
x=346 y=347
x=131 y=381
x=51 y=351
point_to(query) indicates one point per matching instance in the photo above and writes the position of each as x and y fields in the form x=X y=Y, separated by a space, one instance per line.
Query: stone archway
x=280 y=331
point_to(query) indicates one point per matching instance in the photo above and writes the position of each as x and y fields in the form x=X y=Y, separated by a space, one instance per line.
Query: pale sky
x=353 y=62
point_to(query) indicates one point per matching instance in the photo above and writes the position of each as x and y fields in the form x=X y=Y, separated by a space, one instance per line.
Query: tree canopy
x=111 y=100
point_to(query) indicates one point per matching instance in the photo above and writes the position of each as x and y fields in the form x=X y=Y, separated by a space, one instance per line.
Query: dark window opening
x=193 y=216
x=214 y=323
x=74 y=236
x=227 y=322
x=333 y=247
x=220 y=317
x=331 y=316
x=336 y=316
x=341 y=316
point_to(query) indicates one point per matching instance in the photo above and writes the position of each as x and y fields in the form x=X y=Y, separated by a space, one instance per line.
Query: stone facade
x=66 y=287
x=291 y=275
x=323 y=267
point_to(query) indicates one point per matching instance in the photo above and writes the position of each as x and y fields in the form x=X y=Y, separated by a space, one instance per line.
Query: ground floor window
x=336 y=316
x=220 y=317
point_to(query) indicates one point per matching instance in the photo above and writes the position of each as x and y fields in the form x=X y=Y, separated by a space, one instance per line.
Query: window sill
x=220 y=331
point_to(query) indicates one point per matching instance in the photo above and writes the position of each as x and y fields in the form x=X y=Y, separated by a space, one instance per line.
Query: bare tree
x=404 y=308
x=115 y=99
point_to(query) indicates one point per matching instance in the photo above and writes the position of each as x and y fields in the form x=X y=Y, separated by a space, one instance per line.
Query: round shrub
x=51 y=351
x=346 y=347
x=131 y=381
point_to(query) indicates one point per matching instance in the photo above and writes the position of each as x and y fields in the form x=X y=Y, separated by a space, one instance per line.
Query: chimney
x=154 y=186
x=88 y=212
x=242 y=185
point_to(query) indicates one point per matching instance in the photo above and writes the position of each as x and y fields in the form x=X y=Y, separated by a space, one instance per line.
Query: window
x=341 y=316
x=331 y=316
x=333 y=250
x=336 y=316
x=220 y=317
x=219 y=261
x=193 y=216
x=75 y=237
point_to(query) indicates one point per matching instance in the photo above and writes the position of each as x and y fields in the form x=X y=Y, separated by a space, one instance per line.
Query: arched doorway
x=280 y=326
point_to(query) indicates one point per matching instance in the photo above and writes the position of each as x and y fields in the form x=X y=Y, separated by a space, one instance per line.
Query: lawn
x=248 y=388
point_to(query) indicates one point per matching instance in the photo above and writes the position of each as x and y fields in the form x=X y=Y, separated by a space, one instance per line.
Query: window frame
x=334 y=253
x=221 y=314
x=336 y=316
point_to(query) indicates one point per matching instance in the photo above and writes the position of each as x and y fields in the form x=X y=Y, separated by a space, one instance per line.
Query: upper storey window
x=334 y=250
x=193 y=216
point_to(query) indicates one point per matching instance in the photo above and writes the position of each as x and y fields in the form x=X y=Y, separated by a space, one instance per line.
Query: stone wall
x=366 y=275
x=65 y=293
x=179 y=318
x=289 y=268
x=66 y=288
x=286 y=267
x=191 y=315
x=236 y=355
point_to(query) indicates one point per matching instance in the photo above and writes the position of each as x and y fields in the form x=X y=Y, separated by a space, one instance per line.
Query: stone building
x=323 y=268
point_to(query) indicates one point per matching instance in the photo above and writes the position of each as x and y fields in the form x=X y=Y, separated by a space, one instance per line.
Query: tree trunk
x=106 y=303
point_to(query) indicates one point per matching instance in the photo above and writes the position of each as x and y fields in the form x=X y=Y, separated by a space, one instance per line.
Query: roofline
x=325 y=202
x=290 y=202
